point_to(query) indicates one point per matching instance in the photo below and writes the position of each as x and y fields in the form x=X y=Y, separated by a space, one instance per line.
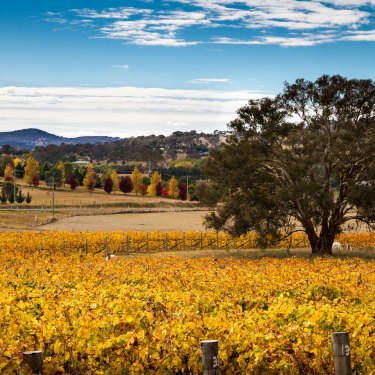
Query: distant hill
x=31 y=138
x=153 y=149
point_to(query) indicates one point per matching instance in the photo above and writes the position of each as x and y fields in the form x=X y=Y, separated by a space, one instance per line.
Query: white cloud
x=209 y=80
x=160 y=31
x=168 y=26
x=120 y=66
x=124 y=111
x=111 y=13
x=364 y=36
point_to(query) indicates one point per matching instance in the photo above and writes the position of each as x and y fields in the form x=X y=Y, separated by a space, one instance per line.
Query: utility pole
x=187 y=187
x=53 y=180
x=53 y=198
x=14 y=183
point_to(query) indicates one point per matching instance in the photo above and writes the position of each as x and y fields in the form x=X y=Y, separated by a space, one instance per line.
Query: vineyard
x=135 y=315
x=156 y=241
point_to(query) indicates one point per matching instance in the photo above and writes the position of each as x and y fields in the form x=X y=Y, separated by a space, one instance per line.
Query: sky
x=130 y=68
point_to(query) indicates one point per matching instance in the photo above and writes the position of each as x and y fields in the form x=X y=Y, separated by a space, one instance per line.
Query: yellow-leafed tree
x=137 y=180
x=9 y=173
x=155 y=179
x=89 y=181
x=60 y=165
x=115 y=179
x=173 y=188
x=31 y=170
x=16 y=161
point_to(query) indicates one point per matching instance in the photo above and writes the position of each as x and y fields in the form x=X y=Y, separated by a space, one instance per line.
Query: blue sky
x=141 y=67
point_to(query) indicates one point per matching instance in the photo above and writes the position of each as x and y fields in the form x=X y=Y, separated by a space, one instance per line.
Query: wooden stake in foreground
x=341 y=352
x=35 y=360
x=210 y=357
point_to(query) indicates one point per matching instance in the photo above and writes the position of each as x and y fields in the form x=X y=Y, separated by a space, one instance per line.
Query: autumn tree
x=9 y=173
x=31 y=170
x=4 y=161
x=35 y=181
x=155 y=180
x=126 y=184
x=164 y=192
x=183 y=191
x=116 y=180
x=137 y=180
x=108 y=185
x=173 y=188
x=69 y=171
x=73 y=183
x=159 y=189
x=301 y=161
x=144 y=189
x=89 y=181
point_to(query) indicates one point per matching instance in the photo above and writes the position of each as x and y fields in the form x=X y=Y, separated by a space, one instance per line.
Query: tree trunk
x=324 y=244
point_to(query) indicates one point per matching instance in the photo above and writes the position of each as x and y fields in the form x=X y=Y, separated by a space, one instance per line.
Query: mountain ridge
x=32 y=137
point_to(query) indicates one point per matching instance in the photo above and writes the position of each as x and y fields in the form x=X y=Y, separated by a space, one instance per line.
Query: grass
x=255 y=254
x=21 y=219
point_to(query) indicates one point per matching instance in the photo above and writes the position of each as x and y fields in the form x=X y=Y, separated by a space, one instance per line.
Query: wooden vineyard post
x=217 y=240
x=201 y=240
x=341 y=353
x=106 y=248
x=166 y=242
x=183 y=241
x=147 y=246
x=35 y=361
x=210 y=357
x=127 y=244
x=86 y=247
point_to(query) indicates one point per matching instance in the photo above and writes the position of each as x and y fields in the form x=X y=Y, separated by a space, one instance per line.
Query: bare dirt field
x=166 y=221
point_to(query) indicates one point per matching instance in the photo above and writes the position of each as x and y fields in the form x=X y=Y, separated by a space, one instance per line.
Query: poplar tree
x=90 y=179
x=137 y=180
x=115 y=180
x=173 y=188
x=31 y=170
x=155 y=180
x=9 y=173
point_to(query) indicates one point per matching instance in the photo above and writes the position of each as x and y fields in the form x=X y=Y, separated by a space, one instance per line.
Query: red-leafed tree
x=165 y=192
x=159 y=189
x=144 y=188
x=35 y=181
x=108 y=185
x=73 y=182
x=126 y=184
x=183 y=191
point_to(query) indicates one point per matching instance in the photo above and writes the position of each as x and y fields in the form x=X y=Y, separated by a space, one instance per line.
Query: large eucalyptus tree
x=301 y=161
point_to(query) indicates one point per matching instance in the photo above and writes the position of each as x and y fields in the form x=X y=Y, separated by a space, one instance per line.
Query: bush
x=126 y=184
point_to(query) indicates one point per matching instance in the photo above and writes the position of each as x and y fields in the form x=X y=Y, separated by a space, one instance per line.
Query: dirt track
x=167 y=221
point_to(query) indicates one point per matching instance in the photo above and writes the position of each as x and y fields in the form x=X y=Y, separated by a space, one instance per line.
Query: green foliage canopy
x=303 y=160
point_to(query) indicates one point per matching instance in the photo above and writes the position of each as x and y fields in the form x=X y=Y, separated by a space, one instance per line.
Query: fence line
x=111 y=211
x=132 y=242
x=211 y=361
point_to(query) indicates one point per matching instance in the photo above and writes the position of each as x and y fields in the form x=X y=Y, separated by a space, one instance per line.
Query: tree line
x=65 y=173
